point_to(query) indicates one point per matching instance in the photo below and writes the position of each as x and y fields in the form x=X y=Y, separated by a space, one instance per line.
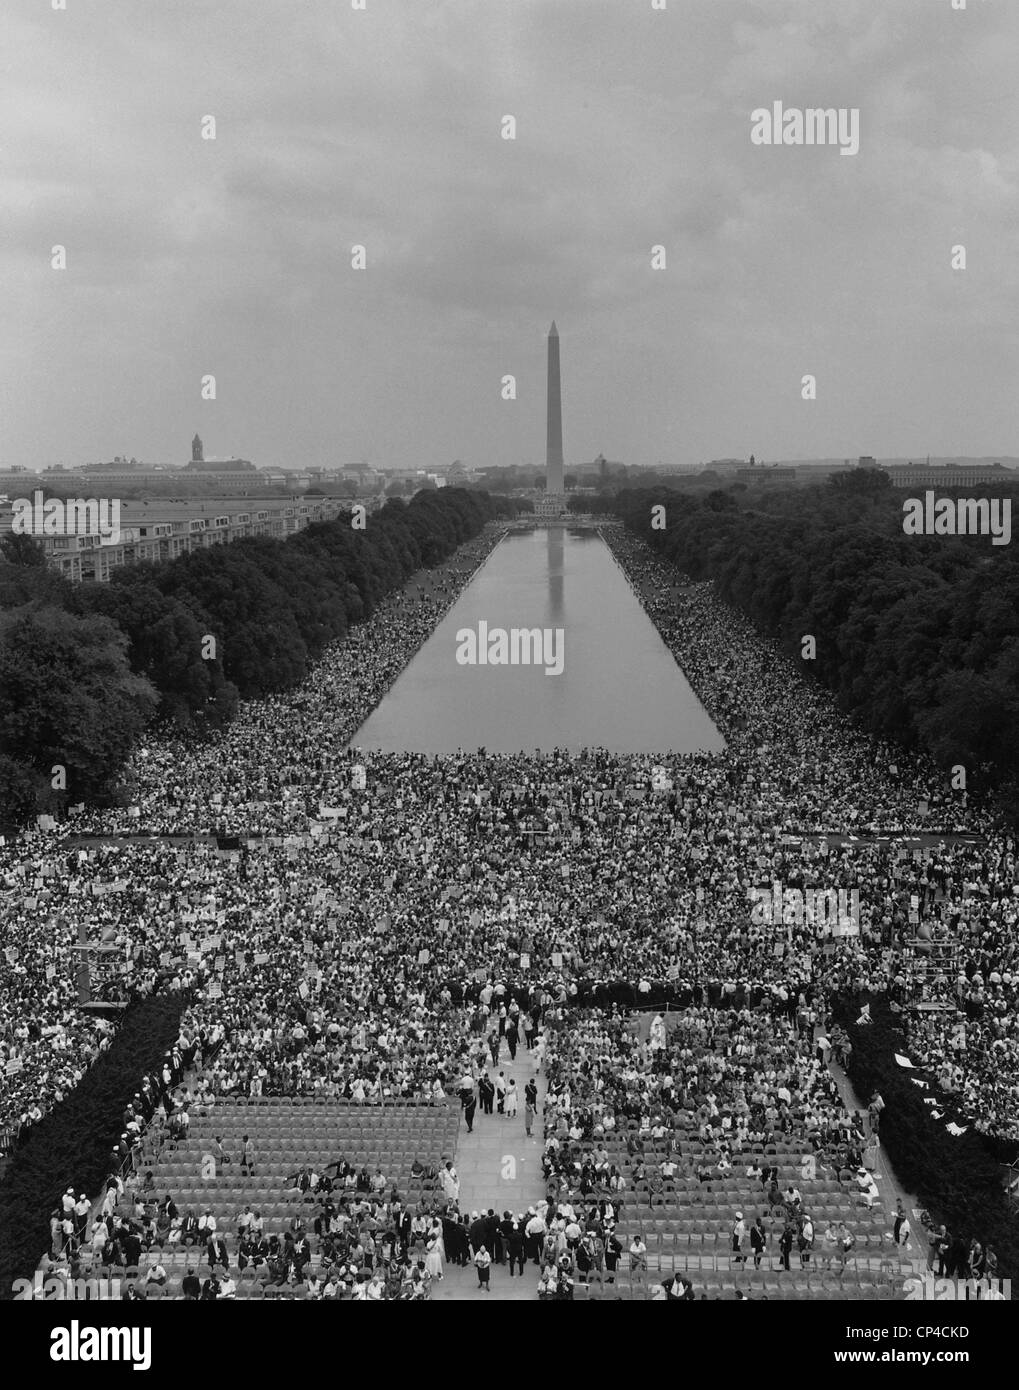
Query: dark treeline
x=85 y=668
x=916 y=635
x=74 y=1138
x=957 y=1178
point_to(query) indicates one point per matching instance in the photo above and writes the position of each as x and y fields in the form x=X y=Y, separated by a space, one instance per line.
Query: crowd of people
x=85 y=871
x=737 y=1081
x=938 y=913
x=356 y=1243
x=367 y=911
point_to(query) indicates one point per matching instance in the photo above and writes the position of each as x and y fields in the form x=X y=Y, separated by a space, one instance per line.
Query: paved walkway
x=499 y=1167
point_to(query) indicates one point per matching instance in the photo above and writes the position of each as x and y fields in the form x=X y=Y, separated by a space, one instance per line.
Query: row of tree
x=84 y=668
x=917 y=636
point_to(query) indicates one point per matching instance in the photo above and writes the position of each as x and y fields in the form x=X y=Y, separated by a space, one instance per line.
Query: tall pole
x=84 y=979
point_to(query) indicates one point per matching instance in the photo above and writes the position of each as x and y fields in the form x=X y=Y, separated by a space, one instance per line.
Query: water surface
x=620 y=687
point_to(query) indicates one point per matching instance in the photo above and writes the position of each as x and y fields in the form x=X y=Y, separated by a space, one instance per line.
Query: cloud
x=337 y=127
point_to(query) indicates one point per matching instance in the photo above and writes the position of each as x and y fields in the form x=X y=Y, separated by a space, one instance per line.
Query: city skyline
x=189 y=256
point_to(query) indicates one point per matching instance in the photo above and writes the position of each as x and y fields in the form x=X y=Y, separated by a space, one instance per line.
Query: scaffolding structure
x=97 y=966
x=930 y=969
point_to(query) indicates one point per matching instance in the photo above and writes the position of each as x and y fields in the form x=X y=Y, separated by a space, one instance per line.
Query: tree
x=68 y=697
x=84 y=667
x=861 y=482
x=24 y=792
x=22 y=550
x=918 y=637
x=165 y=644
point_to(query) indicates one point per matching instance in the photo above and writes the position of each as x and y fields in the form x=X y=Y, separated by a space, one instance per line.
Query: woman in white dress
x=433 y=1256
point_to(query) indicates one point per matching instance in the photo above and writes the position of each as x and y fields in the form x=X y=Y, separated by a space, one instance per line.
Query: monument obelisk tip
x=553 y=332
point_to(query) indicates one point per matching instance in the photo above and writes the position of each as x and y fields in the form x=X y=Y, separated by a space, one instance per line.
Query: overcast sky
x=382 y=127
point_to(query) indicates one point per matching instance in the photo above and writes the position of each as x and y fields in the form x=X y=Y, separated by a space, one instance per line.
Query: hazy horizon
x=337 y=127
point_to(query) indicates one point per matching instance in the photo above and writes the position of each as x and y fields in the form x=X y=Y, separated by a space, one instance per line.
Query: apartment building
x=158 y=529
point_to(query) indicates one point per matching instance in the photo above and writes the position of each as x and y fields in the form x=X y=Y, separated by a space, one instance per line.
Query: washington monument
x=554 y=437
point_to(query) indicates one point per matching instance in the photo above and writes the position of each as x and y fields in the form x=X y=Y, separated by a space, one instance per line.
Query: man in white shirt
x=82 y=1207
x=450 y=1182
x=534 y=1234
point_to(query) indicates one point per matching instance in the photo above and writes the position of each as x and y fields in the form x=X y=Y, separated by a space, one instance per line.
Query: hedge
x=957 y=1178
x=72 y=1143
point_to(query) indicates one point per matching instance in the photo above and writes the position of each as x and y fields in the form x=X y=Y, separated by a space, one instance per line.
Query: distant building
x=122 y=467
x=768 y=474
x=948 y=474
x=550 y=504
x=161 y=529
x=204 y=465
x=122 y=470
x=274 y=477
x=601 y=466
x=867 y=461
x=210 y=476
